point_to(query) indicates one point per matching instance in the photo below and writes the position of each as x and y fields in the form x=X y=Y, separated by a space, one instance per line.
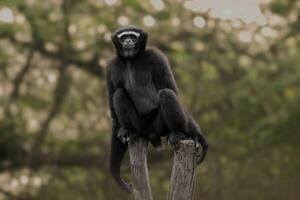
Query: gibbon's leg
x=160 y=126
x=159 y=129
x=131 y=123
x=180 y=122
x=173 y=115
x=195 y=131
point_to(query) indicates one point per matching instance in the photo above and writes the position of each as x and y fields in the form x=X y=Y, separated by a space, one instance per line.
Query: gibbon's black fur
x=143 y=99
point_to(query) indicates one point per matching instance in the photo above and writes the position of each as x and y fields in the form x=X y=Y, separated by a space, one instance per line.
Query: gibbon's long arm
x=118 y=148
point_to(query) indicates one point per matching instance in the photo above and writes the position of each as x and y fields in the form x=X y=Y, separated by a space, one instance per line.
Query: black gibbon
x=143 y=99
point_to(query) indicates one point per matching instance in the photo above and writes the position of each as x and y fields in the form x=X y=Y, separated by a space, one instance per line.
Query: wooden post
x=184 y=172
x=139 y=169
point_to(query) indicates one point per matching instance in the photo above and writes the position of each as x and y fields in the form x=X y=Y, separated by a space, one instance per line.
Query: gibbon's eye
x=123 y=37
x=134 y=37
x=129 y=38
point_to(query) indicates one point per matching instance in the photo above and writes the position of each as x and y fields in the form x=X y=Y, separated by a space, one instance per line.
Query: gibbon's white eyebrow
x=129 y=33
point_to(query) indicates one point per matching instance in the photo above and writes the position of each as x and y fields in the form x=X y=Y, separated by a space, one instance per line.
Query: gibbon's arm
x=163 y=75
x=110 y=93
x=118 y=148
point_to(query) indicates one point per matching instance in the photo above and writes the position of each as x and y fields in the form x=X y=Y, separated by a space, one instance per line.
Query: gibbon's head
x=129 y=41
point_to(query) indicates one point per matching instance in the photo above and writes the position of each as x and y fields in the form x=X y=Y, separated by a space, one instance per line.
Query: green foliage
x=282 y=6
x=11 y=145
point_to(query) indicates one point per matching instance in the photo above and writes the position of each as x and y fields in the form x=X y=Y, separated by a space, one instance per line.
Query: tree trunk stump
x=184 y=172
x=139 y=169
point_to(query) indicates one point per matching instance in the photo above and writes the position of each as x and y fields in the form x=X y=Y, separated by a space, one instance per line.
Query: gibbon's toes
x=154 y=139
x=133 y=135
x=175 y=138
x=126 y=135
x=201 y=155
x=199 y=159
x=123 y=135
x=129 y=187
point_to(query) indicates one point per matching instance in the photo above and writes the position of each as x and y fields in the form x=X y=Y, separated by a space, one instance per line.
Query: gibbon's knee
x=168 y=99
x=166 y=93
x=172 y=111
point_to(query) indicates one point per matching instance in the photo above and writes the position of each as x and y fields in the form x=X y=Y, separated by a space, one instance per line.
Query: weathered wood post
x=139 y=169
x=184 y=172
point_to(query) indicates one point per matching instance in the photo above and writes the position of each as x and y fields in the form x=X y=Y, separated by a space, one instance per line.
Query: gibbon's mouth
x=128 y=46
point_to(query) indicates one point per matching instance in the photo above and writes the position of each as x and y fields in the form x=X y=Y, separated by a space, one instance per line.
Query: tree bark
x=184 y=172
x=139 y=169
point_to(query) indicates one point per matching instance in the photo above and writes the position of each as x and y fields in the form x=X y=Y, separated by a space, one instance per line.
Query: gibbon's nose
x=128 y=43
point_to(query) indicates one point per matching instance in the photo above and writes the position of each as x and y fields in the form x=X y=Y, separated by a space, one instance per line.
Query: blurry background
x=237 y=65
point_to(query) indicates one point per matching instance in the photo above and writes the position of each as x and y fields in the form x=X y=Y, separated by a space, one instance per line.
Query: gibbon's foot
x=154 y=139
x=123 y=135
x=201 y=154
x=133 y=135
x=128 y=187
x=174 y=138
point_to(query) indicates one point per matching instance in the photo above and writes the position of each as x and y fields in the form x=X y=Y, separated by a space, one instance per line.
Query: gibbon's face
x=129 y=41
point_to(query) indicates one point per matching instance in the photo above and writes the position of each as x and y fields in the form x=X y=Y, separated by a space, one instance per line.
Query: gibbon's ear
x=115 y=41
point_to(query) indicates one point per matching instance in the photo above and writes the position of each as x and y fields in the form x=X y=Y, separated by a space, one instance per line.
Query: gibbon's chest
x=136 y=76
x=137 y=81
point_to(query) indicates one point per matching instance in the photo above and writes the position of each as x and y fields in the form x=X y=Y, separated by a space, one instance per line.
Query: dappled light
x=6 y=15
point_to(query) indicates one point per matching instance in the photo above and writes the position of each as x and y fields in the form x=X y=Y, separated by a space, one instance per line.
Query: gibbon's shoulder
x=156 y=54
x=112 y=62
